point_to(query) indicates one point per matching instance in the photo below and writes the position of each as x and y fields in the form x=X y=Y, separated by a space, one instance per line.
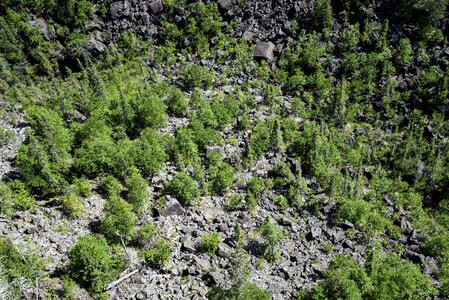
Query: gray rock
x=189 y=246
x=172 y=208
x=247 y=35
x=42 y=25
x=145 y=18
x=119 y=9
x=264 y=50
x=314 y=233
x=95 y=47
x=224 y=250
x=226 y=4
x=216 y=149
x=156 y=6
x=202 y=263
x=431 y=267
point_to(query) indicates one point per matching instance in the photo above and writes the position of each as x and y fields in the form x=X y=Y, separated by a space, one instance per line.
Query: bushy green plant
x=183 y=188
x=82 y=186
x=177 y=103
x=7 y=199
x=20 y=265
x=234 y=202
x=119 y=221
x=196 y=76
x=273 y=236
x=160 y=255
x=209 y=243
x=380 y=278
x=91 y=265
x=145 y=234
x=73 y=205
x=322 y=12
x=6 y=136
x=221 y=174
x=111 y=186
x=137 y=190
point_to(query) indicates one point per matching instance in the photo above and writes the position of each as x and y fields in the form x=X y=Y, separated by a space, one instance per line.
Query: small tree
x=239 y=272
x=273 y=237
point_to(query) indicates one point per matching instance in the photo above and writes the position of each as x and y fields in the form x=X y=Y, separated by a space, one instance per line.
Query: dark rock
x=264 y=50
x=413 y=239
x=31 y=230
x=286 y=273
x=224 y=250
x=172 y=208
x=413 y=256
x=346 y=225
x=295 y=166
x=348 y=244
x=156 y=6
x=286 y=221
x=406 y=227
x=119 y=9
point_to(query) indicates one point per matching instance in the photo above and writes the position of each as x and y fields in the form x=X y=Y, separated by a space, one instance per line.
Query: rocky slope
x=313 y=237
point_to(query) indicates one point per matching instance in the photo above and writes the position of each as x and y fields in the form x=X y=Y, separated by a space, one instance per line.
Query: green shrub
x=82 y=186
x=137 y=190
x=150 y=155
x=119 y=221
x=20 y=265
x=183 y=188
x=111 y=186
x=234 y=202
x=177 y=103
x=380 y=278
x=251 y=201
x=322 y=12
x=196 y=76
x=44 y=159
x=158 y=256
x=209 y=243
x=185 y=146
x=6 y=199
x=145 y=234
x=73 y=205
x=91 y=265
x=6 y=136
x=221 y=176
x=273 y=236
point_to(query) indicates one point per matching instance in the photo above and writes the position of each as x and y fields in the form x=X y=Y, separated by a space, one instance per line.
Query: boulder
x=171 y=208
x=313 y=234
x=224 y=250
x=264 y=50
x=156 y=6
x=95 y=47
x=119 y=9
x=226 y=4
x=189 y=246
